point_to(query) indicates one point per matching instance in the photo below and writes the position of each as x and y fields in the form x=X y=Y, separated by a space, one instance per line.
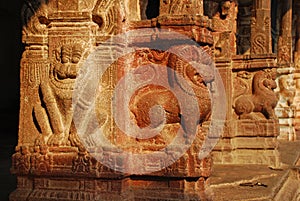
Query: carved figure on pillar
x=54 y=113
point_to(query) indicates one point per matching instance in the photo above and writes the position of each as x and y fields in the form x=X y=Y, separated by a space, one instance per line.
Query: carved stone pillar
x=67 y=41
x=261 y=39
x=251 y=128
x=285 y=109
x=244 y=27
x=284 y=49
x=297 y=66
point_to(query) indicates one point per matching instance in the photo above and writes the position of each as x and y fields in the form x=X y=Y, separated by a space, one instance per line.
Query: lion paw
x=76 y=142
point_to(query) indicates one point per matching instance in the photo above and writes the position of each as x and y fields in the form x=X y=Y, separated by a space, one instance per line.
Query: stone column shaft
x=261 y=40
x=285 y=37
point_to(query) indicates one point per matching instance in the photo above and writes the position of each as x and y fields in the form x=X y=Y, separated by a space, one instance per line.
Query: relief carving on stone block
x=258 y=42
x=82 y=163
x=224 y=18
x=261 y=28
x=41 y=160
x=198 y=80
x=284 y=54
x=21 y=160
x=76 y=25
x=144 y=100
x=54 y=112
x=109 y=16
x=181 y=7
x=254 y=97
x=286 y=91
x=34 y=16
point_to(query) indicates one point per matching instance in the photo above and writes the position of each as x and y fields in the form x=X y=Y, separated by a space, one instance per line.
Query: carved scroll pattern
x=109 y=16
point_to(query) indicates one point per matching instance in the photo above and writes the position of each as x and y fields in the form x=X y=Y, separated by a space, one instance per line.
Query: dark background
x=11 y=50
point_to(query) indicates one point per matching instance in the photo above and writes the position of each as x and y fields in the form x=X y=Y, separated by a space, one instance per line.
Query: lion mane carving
x=261 y=102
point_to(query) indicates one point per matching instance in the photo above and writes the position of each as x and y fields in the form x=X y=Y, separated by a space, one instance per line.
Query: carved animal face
x=67 y=58
x=66 y=61
x=65 y=65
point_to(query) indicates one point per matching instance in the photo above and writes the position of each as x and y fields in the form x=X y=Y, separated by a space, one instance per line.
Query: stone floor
x=256 y=182
x=228 y=182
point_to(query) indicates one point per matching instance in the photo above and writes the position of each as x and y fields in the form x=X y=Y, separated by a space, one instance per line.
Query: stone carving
x=262 y=99
x=222 y=49
x=41 y=160
x=179 y=7
x=241 y=84
x=54 y=113
x=34 y=73
x=150 y=96
x=21 y=160
x=225 y=17
x=224 y=8
x=52 y=159
x=286 y=91
x=284 y=56
x=109 y=15
x=224 y=22
x=259 y=43
x=82 y=163
x=34 y=16
x=261 y=29
x=285 y=38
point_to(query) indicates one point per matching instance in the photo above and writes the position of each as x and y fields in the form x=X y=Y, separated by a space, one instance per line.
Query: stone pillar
x=261 y=39
x=250 y=134
x=244 y=28
x=284 y=49
x=285 y=109
x=297 y=67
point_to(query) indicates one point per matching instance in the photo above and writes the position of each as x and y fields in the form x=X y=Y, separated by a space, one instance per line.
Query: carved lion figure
x=262 y=100
x=54 y=113
x=199 y=79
